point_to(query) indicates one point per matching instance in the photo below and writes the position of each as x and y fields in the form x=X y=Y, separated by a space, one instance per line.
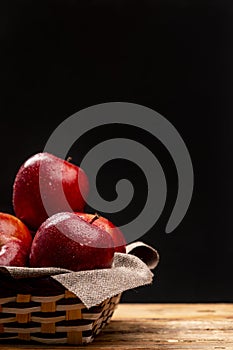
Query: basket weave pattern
x=36 y=306
x=53 y=319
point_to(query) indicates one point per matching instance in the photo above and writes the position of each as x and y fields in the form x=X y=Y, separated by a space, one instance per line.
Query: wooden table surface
x=160 y=326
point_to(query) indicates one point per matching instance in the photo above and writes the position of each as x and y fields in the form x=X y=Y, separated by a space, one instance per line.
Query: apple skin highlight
x=15 y=241
x=65 y=240
x=45 y=174
x=105 y=224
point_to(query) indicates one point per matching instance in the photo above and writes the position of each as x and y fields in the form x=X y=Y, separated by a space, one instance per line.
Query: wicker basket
x=42 y=310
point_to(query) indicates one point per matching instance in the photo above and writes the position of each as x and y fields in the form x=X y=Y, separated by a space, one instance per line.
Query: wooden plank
x=160 y=327
x=131 y=311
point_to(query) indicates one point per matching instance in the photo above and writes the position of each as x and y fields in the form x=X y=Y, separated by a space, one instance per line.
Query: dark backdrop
x=59 y=56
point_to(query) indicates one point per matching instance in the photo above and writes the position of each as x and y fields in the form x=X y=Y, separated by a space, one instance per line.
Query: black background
x=175 y=57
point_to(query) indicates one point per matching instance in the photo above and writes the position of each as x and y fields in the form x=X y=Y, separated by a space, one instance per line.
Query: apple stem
x=97 y=216
x=69 y=159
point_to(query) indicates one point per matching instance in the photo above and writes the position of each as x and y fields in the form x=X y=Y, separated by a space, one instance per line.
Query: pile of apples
x=74 y=240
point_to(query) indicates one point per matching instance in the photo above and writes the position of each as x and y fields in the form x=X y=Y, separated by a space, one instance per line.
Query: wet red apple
x=45 y=185
x=15 y=241
x=105 y=224
x=67 y=241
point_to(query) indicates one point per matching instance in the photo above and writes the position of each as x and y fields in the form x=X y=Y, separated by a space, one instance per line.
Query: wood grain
x=160 y=326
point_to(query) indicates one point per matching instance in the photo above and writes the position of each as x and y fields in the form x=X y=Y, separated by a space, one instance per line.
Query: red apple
x=45 y=185
x=103 y=223
x=15 y=241
x=65 y=240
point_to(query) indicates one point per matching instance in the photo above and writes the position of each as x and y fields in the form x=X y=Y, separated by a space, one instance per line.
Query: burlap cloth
x=129 y=271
